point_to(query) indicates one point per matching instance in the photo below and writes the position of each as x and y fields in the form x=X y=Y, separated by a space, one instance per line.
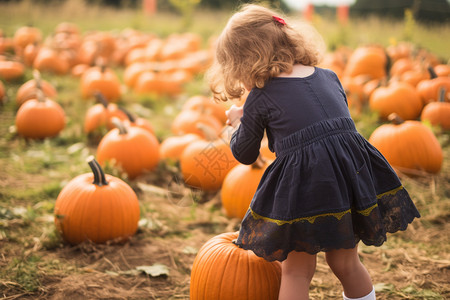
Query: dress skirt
x=328 y=188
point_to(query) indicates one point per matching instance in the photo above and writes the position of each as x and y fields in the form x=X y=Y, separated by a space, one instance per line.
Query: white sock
x=370 y=296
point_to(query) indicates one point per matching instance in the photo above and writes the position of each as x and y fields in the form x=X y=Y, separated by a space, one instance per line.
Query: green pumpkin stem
x=119 y=125
x=99 y=175
x=101 y=99
x=395 y=119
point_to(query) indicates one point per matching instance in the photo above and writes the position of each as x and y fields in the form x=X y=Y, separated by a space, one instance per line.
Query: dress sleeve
x=246 y=140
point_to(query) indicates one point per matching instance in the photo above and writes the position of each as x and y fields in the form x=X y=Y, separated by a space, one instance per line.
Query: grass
x=32 y=254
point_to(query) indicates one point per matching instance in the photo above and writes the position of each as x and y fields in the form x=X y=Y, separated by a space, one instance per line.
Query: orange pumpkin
x=205 y=163
x=51 y=60
x=2 y=93
x=223 y=271
x=369 y=60
x=136 y=121
x=429 y=89
x=100 y=79
x=239 y=186
x=29 y=89
x=11 y=70
x=133 y=149
x=398 y=97
x=206 y=105
x=100 y=115
x=173 y=146
x=187 y=122
x=409 y=146
x=437 y=113
x=96 y=207
x=40 y=118
x=24 y=36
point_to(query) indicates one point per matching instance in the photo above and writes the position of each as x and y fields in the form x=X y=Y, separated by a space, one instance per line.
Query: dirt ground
x=174 y=228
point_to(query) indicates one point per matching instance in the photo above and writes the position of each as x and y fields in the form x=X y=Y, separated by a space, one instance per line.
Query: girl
x=328 y=188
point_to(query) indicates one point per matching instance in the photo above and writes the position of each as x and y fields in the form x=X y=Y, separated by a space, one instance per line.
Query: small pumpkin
x=100 y=115
x=51 y=60
x=11 y=70
x=133 y=149
x=437 y=113
x=40 y=118
x=239 y=186
x=96 y=207
x=371 y=61
x=187 y=122
x=398 y=97
x=29 y=89
x=428 y=89
x=100 y=79
x=137 y=121
x=173 y=146
x=206 y=105
x=223 y=271
x=409 y=146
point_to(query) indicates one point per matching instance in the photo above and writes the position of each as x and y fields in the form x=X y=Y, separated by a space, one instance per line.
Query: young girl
x=328 y=188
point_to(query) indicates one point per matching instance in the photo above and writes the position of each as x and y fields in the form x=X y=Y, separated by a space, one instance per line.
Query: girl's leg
x=347 y=267
x=297 y=272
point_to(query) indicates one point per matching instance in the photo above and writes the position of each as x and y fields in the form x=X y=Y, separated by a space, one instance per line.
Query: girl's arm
x=248 y=132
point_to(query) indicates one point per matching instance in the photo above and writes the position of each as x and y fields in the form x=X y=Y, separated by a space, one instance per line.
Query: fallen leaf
x=154 y=270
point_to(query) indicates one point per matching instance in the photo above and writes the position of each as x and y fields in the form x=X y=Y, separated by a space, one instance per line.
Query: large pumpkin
x=223 y=271
x=131 y=148
x=239 y=186
x=96 y=207
x=40 y=118
x=398 y=97
x=409 y=146
x=368 y=60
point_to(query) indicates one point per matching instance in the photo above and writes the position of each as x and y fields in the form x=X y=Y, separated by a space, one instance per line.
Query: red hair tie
x=279 y=20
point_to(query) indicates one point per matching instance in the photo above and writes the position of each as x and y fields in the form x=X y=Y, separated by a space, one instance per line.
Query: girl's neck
x=299 y=71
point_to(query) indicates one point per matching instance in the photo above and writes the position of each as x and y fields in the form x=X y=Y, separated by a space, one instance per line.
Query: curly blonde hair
x=253 y=48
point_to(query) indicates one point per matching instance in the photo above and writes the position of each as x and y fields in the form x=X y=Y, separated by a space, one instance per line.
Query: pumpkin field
x=116 y=168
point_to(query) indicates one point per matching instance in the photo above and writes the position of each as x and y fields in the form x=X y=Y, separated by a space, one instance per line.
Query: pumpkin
x=239 y=186
x=100 y=115
x=24 y=36
x=428 y=89
x=409 y=146
x=136 y=121
x=437 y=113
x=29 y=89
x=132 y=149
x=173 y=146
x=11 y=70
x=223 y=271
x=51 y=60
x=187 y=122
x=371 y=61
x=398 y=97
x=96 y=207
x=2 y=93
x=205 y=163
x=100 y=79
x=40 y=118
x=206 y=105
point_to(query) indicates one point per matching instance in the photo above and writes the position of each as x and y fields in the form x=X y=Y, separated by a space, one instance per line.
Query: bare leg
x=347 y=267
x=297 y=272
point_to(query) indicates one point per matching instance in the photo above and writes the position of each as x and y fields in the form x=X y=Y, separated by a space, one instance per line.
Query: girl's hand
x=234 y=115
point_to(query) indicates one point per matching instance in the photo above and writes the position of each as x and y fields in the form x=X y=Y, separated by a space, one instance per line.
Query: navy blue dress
x=328 y=187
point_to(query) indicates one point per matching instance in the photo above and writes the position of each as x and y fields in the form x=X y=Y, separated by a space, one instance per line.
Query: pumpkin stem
x=37 y=78
x=442 y=92
x=259 y=163
x=129 y=115
x=432 y=72
x=395 y=119
x=101 y=99
x=99 y=175
x=40 y=95
x=119 y=124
